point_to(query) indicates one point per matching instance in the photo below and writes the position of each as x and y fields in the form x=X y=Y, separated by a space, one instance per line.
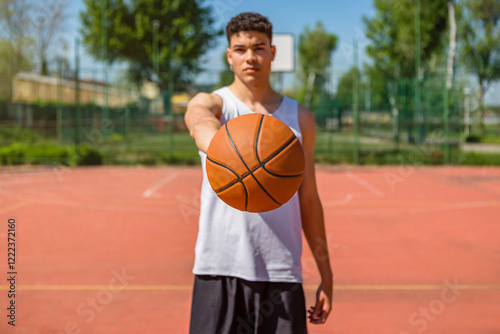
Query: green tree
x=226 y=76
x=344 y=96
x=184 y=34
x=393 y=35
x=315 y=50
x=48 y=23
x=393 y=43
x=479 y=32
x=345 y=88
x=16 y=47
x=370 y=79
x=378 y=87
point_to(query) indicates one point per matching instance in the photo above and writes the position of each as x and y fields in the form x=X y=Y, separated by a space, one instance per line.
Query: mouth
x=251 y=69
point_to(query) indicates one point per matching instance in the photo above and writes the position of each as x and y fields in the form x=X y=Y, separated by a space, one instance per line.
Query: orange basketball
x=255 y=163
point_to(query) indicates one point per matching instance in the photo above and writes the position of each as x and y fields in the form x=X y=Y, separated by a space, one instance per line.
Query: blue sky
x=341 y=17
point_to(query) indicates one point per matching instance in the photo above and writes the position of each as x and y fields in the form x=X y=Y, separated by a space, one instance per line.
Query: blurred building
x=32 y=87
x=151 y=91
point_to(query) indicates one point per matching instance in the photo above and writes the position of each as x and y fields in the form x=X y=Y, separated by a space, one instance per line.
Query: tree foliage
x=345 y=89
x=392 y=34
x=378 y=87
x=479 y=31
x=315 y=50
x=48 y=24
x=394 y=39
x=185 y=33
x=226 y=76
x=16 y=45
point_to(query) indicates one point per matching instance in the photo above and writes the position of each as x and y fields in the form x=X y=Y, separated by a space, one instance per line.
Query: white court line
x=346 y=200
x=365 y=184
x=80 y=204
x=151 y=191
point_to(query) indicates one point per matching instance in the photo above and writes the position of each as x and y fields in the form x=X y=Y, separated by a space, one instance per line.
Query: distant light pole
x=60 y=64
x=156 y=66
x=467 y=110
x=78 y=118
x=368 y=104
x=418 y=111
x=104 y=37
x=155 y=55
x=356 y=103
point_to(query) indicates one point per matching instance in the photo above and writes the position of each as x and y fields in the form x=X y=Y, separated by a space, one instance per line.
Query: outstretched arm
x=202 y=118
x=313 y=223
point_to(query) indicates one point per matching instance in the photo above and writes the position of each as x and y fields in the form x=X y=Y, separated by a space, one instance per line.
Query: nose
x=250 y=56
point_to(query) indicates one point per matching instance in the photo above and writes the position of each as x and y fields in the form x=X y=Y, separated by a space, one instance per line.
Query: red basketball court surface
x=110 y=249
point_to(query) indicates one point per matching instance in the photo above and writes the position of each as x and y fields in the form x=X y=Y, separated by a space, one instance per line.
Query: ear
x=273 y=52
x=228 y=54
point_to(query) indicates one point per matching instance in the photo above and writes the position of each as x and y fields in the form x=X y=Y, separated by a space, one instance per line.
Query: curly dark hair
x=249 y=22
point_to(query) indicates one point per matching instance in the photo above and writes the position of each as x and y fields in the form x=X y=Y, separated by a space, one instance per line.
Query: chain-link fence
x=379 y=122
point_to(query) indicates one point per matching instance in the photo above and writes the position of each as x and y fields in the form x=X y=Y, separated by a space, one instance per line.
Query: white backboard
x=285 y=53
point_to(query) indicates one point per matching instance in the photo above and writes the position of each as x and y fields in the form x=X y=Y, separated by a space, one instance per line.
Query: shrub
x=473 y=138
x=48 y=154
x=17 y=154
x=89 y=156
x=116 y=138
x=480 y=159
x=12 y=155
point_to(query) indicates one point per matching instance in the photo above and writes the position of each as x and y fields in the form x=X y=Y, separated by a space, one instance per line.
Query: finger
x=319 y=316
x=319 y=320
x=315 y=317
x=318 y=308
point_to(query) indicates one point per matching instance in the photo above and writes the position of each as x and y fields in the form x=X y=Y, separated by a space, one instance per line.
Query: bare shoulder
x=306 y=120
x=207 y=100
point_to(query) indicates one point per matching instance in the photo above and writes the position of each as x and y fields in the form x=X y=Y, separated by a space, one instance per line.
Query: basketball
x=255 y=163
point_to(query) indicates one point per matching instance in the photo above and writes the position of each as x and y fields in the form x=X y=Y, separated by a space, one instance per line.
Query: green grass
x=158 y=149
x=43 y=154
x=490 y=139
x=479 y=159
x=152 y=150
x=340 y=147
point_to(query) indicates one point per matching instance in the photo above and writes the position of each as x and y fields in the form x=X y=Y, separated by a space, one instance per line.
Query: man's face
x=250 y=54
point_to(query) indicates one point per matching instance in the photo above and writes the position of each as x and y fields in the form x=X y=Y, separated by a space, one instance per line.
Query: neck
x=255 y=92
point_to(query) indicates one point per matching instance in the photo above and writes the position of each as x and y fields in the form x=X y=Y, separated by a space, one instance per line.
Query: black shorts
x=223 y=304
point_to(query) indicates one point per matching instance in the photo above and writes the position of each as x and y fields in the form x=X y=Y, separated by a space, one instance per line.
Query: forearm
x=202 y=118
x=313 y=226
x=203 y=132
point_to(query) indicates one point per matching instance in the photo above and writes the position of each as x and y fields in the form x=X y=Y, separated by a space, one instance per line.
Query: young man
x=247 y=266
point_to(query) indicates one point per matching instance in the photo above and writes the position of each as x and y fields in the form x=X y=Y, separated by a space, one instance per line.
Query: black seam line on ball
x=239 y=179
x=248 y=169
x=278 y=151
x=261 y=164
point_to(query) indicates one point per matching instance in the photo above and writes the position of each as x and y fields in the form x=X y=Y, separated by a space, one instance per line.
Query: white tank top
x=254 y=246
